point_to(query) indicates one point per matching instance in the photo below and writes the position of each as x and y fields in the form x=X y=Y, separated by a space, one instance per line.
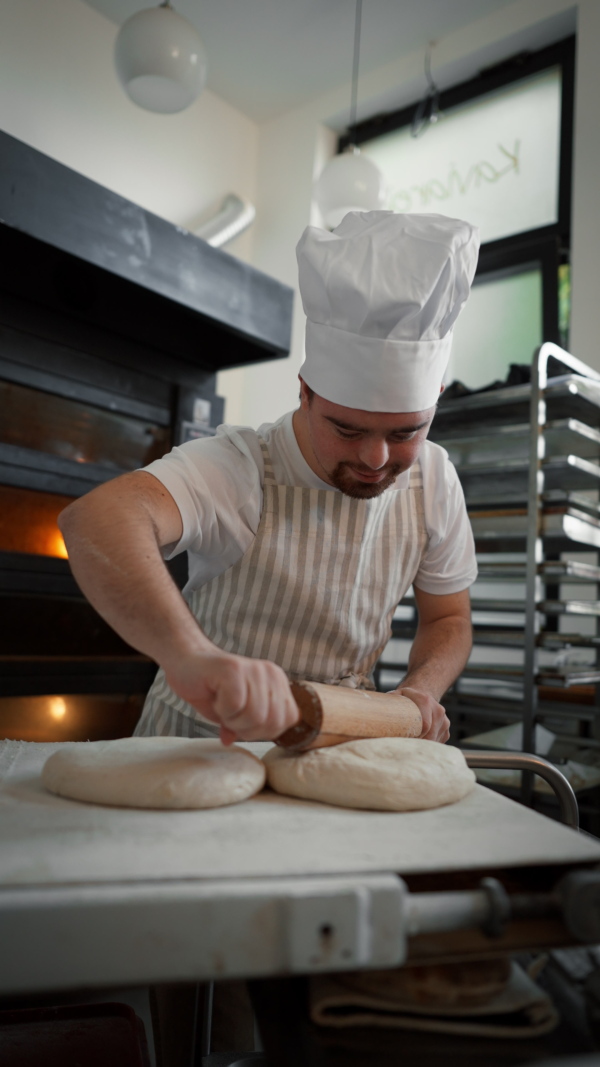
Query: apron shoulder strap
x=416 y=476
x=269 y=477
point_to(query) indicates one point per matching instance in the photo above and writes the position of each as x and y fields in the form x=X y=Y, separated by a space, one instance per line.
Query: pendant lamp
x=160 y=60
x=350 y=181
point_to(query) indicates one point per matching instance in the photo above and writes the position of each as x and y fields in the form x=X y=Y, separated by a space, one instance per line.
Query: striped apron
x=315 y=592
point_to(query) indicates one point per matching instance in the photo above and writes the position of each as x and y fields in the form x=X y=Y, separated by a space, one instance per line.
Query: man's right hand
x=249 y=699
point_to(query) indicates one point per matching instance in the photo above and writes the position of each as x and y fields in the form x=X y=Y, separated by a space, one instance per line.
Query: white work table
x=105 y=895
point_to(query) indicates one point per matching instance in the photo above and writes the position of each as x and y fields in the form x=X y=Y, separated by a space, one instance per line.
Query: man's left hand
x=436 y=724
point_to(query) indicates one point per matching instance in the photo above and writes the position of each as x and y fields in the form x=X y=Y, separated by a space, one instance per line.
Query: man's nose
x=374 y=454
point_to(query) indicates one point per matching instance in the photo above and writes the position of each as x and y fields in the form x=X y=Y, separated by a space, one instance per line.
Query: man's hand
x=438 y=654
x=249 y=699
x=436 y=725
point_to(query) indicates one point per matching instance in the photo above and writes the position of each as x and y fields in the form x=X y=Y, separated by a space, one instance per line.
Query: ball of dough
x=381 y=773
x=155 y=772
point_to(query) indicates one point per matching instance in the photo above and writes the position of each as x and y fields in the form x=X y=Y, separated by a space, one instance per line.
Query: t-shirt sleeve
x=216 y=483
x=448 y=564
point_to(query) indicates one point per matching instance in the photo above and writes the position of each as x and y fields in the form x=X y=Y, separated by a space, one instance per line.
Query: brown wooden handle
x=332 y=714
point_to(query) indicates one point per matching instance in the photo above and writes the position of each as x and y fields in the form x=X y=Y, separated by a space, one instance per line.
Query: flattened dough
x=155 y=772
x=382 y=774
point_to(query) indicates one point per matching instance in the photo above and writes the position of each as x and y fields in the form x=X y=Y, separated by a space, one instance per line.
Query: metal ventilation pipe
x=234 y=216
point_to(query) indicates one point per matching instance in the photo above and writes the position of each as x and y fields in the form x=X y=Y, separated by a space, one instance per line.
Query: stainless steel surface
x=506 y=529
x=586 y=501
x=479 y=445
x=560 y=570
x=499 y=709
x=512 y=638
x=430 y=913
x=146 y=932
x=560 y=675
x=570 y=607
x=507 y=479
x=565 y=677
x=546 y=607
x=525 y=761
x=574 y=395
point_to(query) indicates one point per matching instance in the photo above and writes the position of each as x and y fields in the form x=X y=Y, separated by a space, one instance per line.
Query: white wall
x=60 y=94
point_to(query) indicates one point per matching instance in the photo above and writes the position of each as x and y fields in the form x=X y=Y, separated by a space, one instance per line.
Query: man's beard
x=344 y=480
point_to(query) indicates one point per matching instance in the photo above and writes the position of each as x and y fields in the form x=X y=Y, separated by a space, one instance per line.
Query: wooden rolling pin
x=331 y=714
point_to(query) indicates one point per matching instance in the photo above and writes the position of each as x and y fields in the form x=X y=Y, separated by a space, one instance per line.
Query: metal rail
x=535 y=551
x=526 y=761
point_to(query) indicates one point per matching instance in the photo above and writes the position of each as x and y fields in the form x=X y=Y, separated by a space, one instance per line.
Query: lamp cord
x=354 y=91
x=427 y=66
x=428 y=110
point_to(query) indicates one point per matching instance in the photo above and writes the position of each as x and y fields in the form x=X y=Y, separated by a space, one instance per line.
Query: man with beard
x=303 y=536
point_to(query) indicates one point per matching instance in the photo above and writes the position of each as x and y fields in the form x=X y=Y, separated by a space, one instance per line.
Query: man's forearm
x=113 y=537
x=438 y=654
x=116 y=560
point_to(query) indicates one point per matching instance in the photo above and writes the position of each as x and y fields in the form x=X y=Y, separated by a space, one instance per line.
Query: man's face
x=360 y=452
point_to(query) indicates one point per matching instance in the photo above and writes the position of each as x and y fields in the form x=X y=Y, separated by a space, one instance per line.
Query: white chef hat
x=381 y=295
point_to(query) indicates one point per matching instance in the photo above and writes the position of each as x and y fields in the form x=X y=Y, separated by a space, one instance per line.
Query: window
x=500 y=156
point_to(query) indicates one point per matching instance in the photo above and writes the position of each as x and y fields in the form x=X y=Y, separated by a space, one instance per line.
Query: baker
x=303 y=537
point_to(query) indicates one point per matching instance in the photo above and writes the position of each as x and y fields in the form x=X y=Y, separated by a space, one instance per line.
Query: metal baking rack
x=528 y=458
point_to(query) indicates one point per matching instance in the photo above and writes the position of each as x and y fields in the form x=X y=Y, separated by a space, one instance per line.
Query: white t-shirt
x=216 y=483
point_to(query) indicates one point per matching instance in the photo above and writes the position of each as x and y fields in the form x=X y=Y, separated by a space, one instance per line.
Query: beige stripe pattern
x=315 y=592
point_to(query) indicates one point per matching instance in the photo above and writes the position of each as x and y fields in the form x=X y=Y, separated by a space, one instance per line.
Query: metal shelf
x=505 y=530
x=568 y=396
x=546 y=607
x=507 y=480
x=509 y=638
x=528 y=458
x=550 y=571
x=480 y=446
x=564 y=677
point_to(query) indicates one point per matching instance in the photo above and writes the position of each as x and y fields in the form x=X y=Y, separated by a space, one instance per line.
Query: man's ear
x=304 y=396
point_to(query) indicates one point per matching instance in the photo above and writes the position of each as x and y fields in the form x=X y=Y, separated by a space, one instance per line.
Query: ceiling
x=269 y=56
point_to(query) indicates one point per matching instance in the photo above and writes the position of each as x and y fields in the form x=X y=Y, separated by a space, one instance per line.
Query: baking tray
x=490 y=676
x=570 y=607
x=568 y=396
x=508 y=479
x=504 y=528
x=586 y=501
x=554 y=571
x=554 y=642
x=488 y=445
x=547 y=607
x=482 y=705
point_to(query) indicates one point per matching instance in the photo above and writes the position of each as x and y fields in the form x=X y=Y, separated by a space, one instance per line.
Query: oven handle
x=526 y=761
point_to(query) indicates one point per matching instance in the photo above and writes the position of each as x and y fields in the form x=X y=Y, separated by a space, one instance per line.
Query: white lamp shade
x=349 y=182
x=160 y=60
